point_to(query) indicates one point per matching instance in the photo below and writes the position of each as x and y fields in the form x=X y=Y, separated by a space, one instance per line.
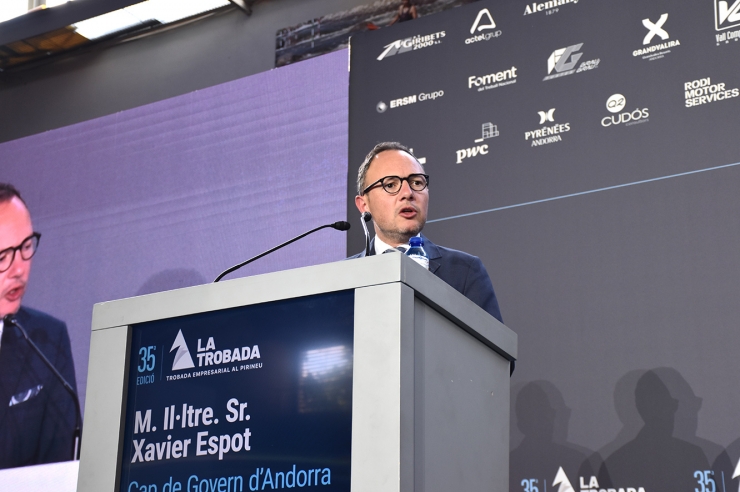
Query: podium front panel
x=249 y=398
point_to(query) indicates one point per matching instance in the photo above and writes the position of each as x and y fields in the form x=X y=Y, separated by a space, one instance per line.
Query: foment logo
x=182 y=356
x=493 y=80
x=655 y=29
x=409 y=44
x=489 y=24
x=546 y=115
x=726 y=16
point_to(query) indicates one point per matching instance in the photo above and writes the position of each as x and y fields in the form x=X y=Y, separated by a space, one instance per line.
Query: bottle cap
x=416 y=241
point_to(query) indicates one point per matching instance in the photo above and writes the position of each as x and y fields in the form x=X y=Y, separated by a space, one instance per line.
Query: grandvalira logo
x=617 y=103
x=483 y=22
x=410 y=44
x=726 y=16
x=547 y=134
x=563 y=61
x=656 y=51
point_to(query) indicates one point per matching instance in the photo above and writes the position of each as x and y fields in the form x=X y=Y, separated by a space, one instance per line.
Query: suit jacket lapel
x=434 y=254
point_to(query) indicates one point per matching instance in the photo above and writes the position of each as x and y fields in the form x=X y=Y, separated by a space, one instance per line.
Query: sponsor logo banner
x=488 y=130
x=493 y=80
x=382 y=107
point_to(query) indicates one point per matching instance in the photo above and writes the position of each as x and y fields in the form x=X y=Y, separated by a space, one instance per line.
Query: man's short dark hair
x=381 y=147
x=8 y=191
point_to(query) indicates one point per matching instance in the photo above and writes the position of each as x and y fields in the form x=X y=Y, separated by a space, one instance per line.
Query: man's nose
x=19 y=265
x=406 y=189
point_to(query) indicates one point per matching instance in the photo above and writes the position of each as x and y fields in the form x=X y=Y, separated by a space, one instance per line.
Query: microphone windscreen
x=341 y=225
x=366 y=216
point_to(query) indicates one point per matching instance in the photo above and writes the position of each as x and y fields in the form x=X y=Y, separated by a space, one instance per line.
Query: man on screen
x=37 y=415
x=392 y=186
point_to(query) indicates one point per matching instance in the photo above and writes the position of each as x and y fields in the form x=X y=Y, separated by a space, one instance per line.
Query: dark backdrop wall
x=100 y=82
x=566 y=150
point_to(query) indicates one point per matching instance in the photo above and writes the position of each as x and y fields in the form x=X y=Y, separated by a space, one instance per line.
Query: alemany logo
x=615 y=104
x=725 y=15
x=563 y=61
x=483 y=22
x=656 y=51
x=548 y=7
x=410 y=44
x=488 y=130
x=182 y=356
x=547 y=134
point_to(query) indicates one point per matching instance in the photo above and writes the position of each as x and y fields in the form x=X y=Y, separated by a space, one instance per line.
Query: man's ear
x=361 y=204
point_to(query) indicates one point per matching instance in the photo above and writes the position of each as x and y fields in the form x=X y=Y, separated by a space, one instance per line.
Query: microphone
x=340 y=226
x=10 y=320
x=366 y=216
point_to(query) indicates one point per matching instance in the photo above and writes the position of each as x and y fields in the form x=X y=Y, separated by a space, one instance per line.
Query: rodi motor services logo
x=410 y=44
x=615 y=104
x=485 y=26
x=488 y=130
x=703 y=91
x=562 y=62
x=223 y=361
x=546 y=134
x=726 y=17
x=658 y=50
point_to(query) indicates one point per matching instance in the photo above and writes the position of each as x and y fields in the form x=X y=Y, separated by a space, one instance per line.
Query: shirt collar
x=381 y=246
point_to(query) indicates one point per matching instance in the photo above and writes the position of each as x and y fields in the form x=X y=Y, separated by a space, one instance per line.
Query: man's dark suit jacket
x=39 y=425
x=462 y=271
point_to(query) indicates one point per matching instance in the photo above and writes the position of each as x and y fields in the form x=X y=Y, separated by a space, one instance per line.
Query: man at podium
x=392 y=187
x=37 y=415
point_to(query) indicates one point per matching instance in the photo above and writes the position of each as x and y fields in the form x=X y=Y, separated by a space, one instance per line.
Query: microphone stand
x=76 y=444
x=366 y=216
x=340 y=226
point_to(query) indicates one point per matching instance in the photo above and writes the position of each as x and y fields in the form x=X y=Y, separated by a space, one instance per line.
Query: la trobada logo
x=562 y=479
x=182 y=356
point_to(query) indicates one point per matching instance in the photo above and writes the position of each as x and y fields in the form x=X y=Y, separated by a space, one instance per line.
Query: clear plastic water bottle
x=417 y=253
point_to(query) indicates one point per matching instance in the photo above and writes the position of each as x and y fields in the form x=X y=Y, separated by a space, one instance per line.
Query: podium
x=405 y=389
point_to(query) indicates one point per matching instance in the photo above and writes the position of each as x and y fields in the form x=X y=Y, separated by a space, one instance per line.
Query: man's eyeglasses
x=27 y=249
x=392 y=184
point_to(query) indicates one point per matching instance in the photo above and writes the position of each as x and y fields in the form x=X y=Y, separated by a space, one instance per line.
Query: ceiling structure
x=45 y=32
